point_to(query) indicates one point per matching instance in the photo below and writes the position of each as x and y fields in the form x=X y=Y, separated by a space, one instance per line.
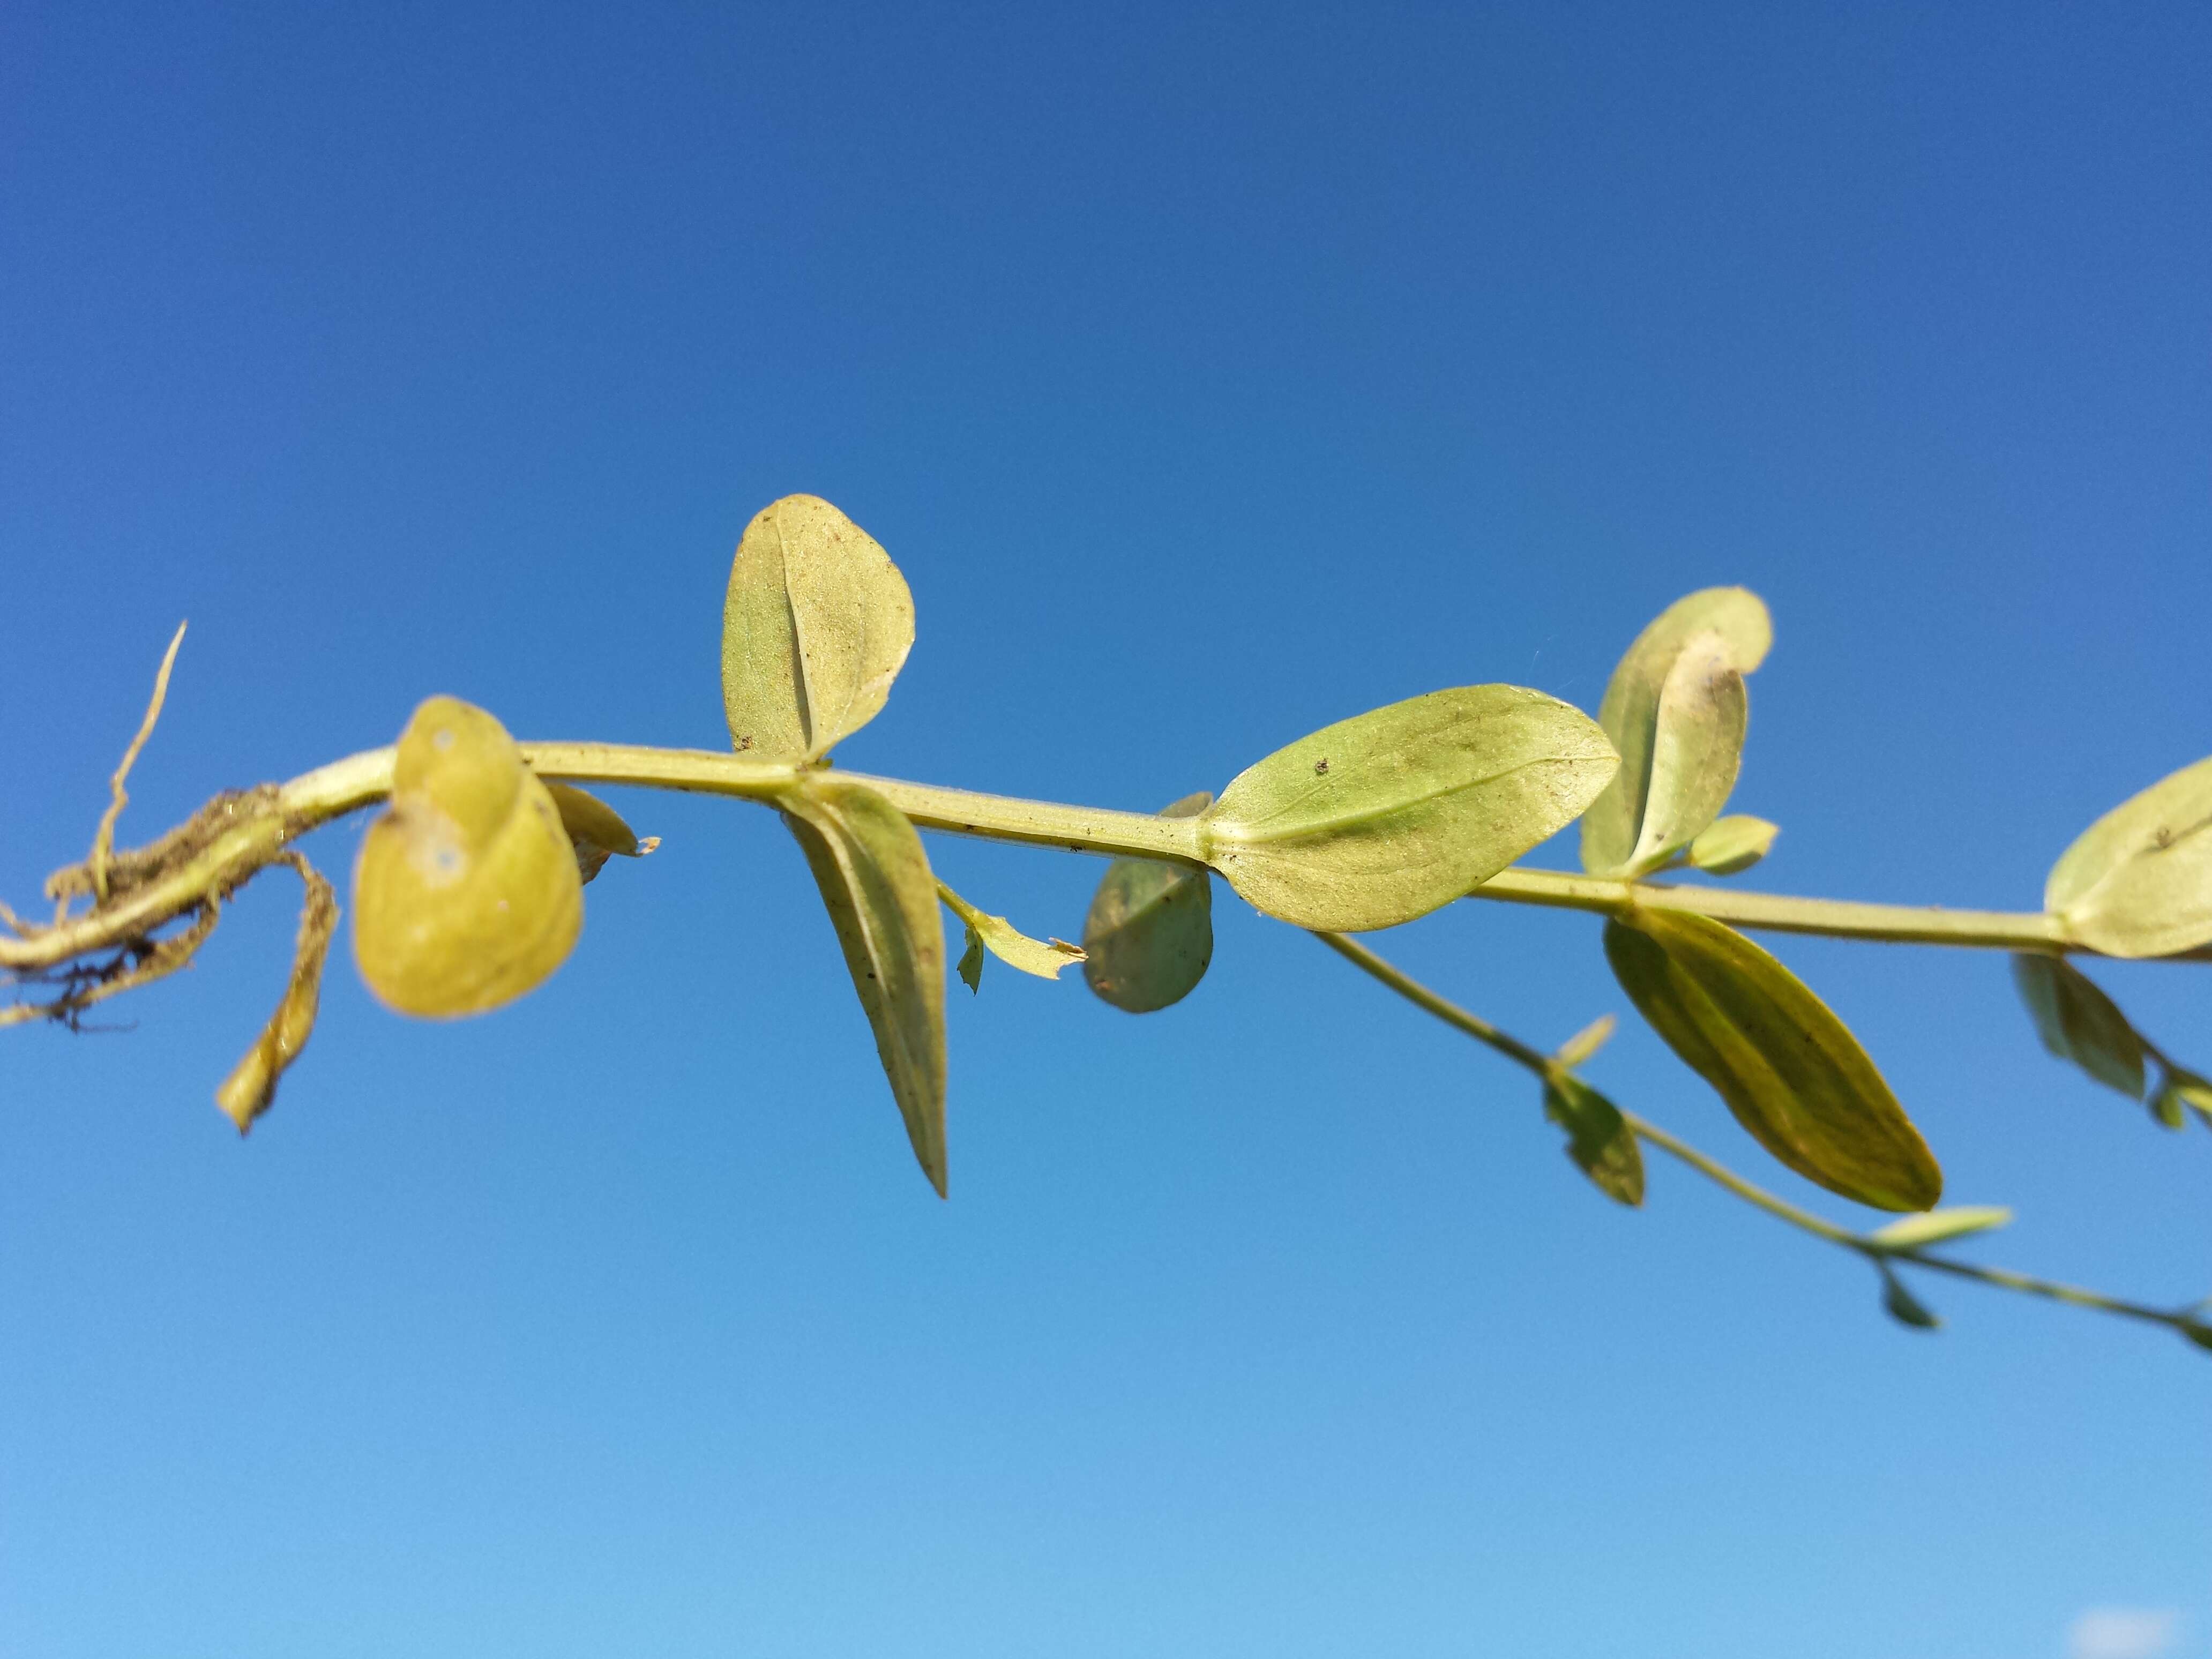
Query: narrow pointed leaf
x=1383 y=818
x=1733 y=843
x=1042 y=957
x=596 y=829
x=1599 y=1140
x=1149 y=936
x=1631 y=711
x=2138 y=882
x=882 y=900
x=1903 y=1306
x=1586 y=1042
x=2078 y=1022
x=1790 y=1070
x=1913 y=1231
x=1697 y=746
x=817 y=622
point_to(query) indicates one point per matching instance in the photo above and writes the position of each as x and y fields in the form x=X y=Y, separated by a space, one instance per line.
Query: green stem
x=343 y=785
x=1546 y=1067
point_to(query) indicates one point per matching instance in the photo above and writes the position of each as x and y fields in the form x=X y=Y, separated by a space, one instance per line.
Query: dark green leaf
x=2078 y=1022
x=1902 y=1305
x=1381 y=818
x=1599 y=1139
x=881 y=899
x=1149 y=935
x=1790 y=1070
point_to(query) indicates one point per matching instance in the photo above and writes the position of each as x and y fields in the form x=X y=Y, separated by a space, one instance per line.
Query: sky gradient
x=1212 y=374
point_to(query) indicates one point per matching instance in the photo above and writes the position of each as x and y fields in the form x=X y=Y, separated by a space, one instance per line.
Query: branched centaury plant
x=468 y=890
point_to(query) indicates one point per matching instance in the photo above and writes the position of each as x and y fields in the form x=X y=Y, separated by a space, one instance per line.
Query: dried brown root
x=250 y=1088
x=139 y=962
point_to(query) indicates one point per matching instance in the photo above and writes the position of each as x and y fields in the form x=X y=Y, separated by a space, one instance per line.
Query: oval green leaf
x=1381 y=818
x=1149 y=936
x=1733 y=843
x=816 y=625
x=1599 y=1141
x=466 y=893
x=1914 y=1231
x=2078 y=1022
x=1695 y=722
x=2138 y=882
x=1790 y=1070
x=882 y=900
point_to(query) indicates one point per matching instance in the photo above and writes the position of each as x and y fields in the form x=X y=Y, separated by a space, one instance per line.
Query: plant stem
x=330 y=792
x=1546 y=1067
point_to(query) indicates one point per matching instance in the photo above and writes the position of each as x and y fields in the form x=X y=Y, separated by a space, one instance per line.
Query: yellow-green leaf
x=1598 y=1138
x=1732 y=844
x=2138 y=882
x=1902 y=1305
x=2181 y=1091
x=596 y=829
x=815 y=627
x=250 y=1088
x=1585 y=1042
x=1149 y=935
x=1044 y=957
x=1697 y=723
x=882 y=900
x=466 y=893
x=1936 y=1226
x=2078 y=1022
x=1697 y=746
x=1790 y=1070
x=1383 y=818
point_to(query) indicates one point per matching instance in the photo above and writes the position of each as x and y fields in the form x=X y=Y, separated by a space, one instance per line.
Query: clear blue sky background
x=1212 y=374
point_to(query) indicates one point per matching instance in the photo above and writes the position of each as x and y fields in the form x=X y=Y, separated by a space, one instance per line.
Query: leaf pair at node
x=1677 y=711
x=2077 y=1022
x=816 y=625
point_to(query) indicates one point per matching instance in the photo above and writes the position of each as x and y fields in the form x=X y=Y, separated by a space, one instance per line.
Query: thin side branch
x=1546 y=1066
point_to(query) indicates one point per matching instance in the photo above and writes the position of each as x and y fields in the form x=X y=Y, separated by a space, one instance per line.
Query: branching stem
x=1546 y=1066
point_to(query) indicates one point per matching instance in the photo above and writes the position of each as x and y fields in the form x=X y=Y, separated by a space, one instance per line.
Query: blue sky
x=1213 y=375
